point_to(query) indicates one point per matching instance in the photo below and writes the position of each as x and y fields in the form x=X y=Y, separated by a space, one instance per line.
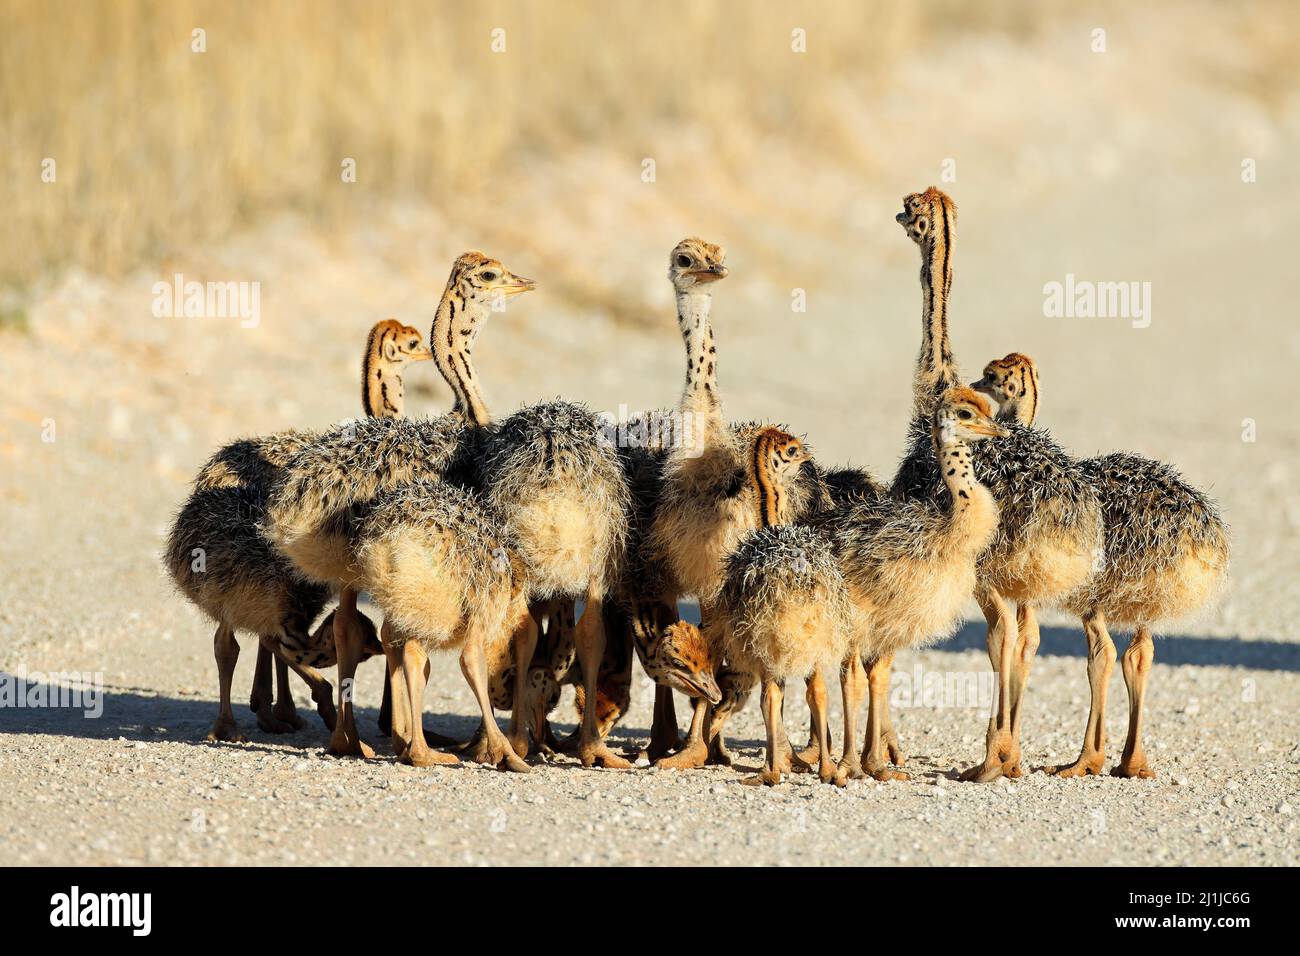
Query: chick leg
x=226 y=651
x=284 y=710
x=874 y=758
x=592 y=748
x=349 y=642
x=1137 y=665
x=1101 y=661
x=1001 y=646
x=771 y=773
x=497 y=749
x=853 y=685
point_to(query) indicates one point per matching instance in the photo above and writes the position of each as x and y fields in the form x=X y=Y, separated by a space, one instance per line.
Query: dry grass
x=159 y=148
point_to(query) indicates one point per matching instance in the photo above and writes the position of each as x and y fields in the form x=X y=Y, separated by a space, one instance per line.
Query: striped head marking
x=965 y=415
x=928 y=214
x=778 y=459
x=395 y=343
x=684 y=661
x=1009 y=379
x=482 y=279
x=779 y=455
x=695 y=263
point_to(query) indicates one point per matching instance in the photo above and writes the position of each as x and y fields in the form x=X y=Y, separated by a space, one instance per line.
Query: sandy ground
x=1071 y=179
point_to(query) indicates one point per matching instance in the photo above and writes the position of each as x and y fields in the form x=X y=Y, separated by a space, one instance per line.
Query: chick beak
x=422 y=355
x=998 y=431
x=519 y=285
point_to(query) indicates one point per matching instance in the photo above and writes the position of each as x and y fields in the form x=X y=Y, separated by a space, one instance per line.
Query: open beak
x=519 y=285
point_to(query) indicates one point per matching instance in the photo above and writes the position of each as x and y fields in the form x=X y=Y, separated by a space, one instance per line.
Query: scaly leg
x=771 y=773
x=888 y=739
x=817 y=701
x=853 y=685
x=590 y=637
x=262 y=702
x=997 y=742
x=348 y=641
x=395 y=695
x=695 y=752
x=1137 y=665
x=226 y=650
x=431 y=737
x=525 y=642
x=1026 y=647
x=873 y=758
x=386 y=711
x=497 y=749
x=284 y=710
x=259 y=698
x=785 y=758
x=812 y=754
x=1101 y=660
x=415 y=672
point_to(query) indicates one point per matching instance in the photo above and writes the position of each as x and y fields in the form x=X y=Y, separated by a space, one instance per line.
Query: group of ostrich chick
x=481 y=536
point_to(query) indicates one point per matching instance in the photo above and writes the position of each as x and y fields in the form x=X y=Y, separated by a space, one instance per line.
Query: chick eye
x=683 y=261
x=965 y=415
x=489 y=276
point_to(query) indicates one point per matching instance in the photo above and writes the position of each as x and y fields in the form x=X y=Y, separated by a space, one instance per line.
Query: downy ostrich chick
x=1049 y=540
x=328 y=487
x=909 y=565
x=552 y=474
x=783 y=611
x=1166 y=554
x=442 y=567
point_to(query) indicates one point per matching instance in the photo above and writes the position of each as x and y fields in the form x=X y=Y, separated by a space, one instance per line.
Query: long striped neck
x=382 y=394
x=935 y=369
x=769 y=490
x=455 y=328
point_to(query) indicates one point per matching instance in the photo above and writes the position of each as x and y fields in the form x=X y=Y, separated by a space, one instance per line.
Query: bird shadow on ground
x=1173 y=649
x=139 y=714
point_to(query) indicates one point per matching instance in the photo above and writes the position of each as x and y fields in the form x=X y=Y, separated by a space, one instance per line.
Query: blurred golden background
x=159 y=147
